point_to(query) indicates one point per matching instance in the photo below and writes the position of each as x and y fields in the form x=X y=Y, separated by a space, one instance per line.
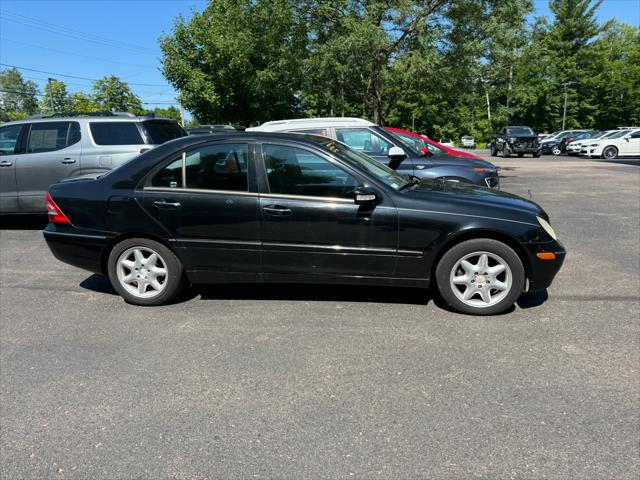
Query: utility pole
x=50 y=83
x=564 y=112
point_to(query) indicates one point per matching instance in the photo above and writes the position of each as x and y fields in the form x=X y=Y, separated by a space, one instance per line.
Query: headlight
x=547 y=228
x=512 y=139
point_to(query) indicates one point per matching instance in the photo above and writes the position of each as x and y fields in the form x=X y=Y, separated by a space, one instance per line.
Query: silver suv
x=41 y=150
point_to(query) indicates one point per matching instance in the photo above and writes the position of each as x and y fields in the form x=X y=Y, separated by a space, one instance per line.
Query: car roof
x=325 y=122
x=91 y=118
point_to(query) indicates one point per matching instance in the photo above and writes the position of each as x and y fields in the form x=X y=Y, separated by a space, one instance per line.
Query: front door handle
x=277 y=210
x=68 y=160
x=5 y=163
x=166 y=204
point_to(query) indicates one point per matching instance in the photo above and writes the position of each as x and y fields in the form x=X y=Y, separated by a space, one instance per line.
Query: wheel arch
x=479 y=234
x=104 y=258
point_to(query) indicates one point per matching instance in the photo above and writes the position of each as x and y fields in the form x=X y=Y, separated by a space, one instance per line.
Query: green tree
x=83 y=103
x=354 y=44
x=55 y=98
x=171 y=112
x=112 y=94
x=237 y=61
x=18 y=97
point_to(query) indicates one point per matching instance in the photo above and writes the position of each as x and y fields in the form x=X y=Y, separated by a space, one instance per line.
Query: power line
x=76 y=54
x=38 y=94
x=76 y=34
x=76 y=77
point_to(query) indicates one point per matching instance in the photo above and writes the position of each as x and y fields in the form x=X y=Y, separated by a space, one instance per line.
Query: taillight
x=54 y=212
x=481 y=170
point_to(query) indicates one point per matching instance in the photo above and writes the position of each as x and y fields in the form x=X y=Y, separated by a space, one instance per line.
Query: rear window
x=115 y=133
x=162 y=131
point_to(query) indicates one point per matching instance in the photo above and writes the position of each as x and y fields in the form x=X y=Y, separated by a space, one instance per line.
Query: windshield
x=361 y=162
x=160 y=131
x=519 y=131
x=619 y=134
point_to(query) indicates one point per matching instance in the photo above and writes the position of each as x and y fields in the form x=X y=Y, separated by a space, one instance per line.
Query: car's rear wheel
x=556 y=151
x=536 y=155
x=520 y=155
x=480 y=277
x=145 y=272
x=494 y=153
x=505 y=152
x=610 y=153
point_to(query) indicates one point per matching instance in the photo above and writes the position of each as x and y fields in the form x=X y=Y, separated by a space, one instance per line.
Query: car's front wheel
x=610 y=153
x=480 y=277
x=556 y=151
x=494 y=153
x=145 y=272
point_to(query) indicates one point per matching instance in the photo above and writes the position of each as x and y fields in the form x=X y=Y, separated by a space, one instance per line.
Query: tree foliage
x=18 y=97
x=112 y=94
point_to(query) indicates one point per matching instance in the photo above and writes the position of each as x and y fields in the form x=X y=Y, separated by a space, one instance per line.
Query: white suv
x=625 y=143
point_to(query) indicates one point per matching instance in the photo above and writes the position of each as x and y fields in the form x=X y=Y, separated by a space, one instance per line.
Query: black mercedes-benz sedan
x=269 y=207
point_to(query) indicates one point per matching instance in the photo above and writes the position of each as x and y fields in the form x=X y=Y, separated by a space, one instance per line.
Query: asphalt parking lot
x=333 y=382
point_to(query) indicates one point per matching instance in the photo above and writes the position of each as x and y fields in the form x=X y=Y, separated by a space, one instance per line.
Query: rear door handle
x=5 y=163
x=68 y=160
x=277 y=210
x=166 y=204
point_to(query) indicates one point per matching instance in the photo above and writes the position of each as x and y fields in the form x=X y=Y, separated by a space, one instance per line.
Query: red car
x=422 y=142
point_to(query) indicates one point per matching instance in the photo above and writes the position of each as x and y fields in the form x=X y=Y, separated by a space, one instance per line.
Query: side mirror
x=425 y=152
x=365 y=196
x=397 y=154
x=627 y=137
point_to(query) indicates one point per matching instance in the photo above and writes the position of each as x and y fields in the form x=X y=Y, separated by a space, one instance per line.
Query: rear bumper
x=79 y=248
x=542 y=272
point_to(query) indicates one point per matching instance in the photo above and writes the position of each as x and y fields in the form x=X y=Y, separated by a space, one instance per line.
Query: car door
x=207 y=201
x=52 y=152
x=9 y=141
x=374 y=145
x=310 y=225
x=630 y=146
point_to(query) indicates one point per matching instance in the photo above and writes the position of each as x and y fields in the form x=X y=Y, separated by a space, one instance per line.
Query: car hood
x=464 y=194
x=446 y=159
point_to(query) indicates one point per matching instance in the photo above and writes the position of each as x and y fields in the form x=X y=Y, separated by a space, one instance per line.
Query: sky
x=94 y=38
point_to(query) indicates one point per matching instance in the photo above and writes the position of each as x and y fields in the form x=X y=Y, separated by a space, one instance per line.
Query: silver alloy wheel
x=556 y=151
x=610 y=152
x=142 y=272
x=481 y=279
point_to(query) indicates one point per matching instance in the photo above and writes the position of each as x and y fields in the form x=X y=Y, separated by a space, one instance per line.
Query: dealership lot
x=308 y=381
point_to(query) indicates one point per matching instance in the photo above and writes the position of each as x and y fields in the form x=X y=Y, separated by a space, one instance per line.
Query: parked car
x=43 y=149
x=576 y=145
x=624 y=143
x=565 y=143
x=269 y=207
x=515 y=139
x=206 y=129
x=559 y=135
x=447 y=142
x=376 y=142
x=551 y=148
x=423 y=143
x=468 y=141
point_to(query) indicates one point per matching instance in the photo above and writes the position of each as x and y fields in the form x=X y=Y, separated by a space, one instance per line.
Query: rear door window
x=51 y=136
x=115 y=133
x=160 y=131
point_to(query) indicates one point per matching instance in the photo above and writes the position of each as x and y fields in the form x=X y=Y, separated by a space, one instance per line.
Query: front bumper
x=82 y=249
x=542 y=272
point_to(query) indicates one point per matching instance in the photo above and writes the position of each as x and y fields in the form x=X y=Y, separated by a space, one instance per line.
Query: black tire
x=556 y=151
x=450 y=259
x=536 y=155
x=173 y=282
x=610 y=153
x=493 y=151
x=505 y=152
x=520 y=155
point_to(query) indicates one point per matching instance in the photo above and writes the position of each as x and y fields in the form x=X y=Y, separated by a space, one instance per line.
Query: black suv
x=517 y=140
